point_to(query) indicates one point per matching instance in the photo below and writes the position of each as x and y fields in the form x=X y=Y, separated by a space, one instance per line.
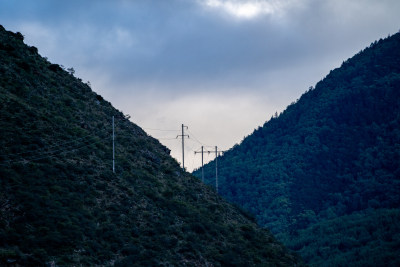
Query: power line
x=166 y=138
x=196 y=139
x=48 y=147
x=52 y=146
x=162 y=130
x=48 y=154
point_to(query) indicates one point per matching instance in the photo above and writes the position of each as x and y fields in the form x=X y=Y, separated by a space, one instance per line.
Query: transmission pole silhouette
x=216 y=168
x=183 y=135
x=113 y=138
x=216 y=163
x=202 y=163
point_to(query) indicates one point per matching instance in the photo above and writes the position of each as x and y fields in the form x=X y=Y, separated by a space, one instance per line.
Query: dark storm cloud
x=177 y=41
x=165 y=41
x=221 y=65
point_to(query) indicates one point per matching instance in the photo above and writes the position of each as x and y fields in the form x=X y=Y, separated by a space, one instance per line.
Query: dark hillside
x=330 y=158
x=60 y=202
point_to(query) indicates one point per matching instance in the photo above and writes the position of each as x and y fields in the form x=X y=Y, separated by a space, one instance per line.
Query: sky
x=220 y=67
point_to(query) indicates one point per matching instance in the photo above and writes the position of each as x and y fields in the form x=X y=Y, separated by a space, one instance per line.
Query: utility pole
x=183 y=135
x=113 y=138
x=216 y=164
x=216 y=169
x=202 y=163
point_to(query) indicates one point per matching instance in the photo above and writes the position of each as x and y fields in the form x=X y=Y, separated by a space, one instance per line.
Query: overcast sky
x=221 y=67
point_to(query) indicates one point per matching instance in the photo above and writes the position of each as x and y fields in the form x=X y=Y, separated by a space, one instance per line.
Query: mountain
x=324 y=175
x=61 y=204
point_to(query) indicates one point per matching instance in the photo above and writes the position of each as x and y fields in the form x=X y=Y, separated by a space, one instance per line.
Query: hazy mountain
x=324 y=175
x=61 y=203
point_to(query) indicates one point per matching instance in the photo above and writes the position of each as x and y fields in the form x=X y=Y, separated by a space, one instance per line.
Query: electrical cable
x=194 y=137
x=162 y=130
x=165 y=138
x=51 y=146
x=52 y=154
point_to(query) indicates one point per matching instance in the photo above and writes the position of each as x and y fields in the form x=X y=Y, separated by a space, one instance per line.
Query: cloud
x=226 y=63
x=250 y=9
x=175 y=44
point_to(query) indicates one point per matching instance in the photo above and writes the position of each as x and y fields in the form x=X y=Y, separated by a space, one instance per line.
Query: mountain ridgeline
x=324 y=175
x=61 y=204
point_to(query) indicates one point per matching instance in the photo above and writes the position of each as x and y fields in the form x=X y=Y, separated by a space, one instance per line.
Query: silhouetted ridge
x=321 y=173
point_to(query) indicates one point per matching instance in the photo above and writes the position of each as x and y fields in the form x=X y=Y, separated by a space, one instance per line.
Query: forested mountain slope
x=61 y=203
x=324 y=175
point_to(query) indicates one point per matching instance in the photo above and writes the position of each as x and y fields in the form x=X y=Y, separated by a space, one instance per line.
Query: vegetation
x=324 y=175
x=61 y=203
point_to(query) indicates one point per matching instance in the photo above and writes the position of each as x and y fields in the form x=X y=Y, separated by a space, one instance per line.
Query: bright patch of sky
x=249 y=9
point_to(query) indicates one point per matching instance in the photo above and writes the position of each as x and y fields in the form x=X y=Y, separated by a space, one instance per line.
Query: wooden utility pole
x=183 y=135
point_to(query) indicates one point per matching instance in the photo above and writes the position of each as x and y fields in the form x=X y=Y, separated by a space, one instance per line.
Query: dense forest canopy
x=61 y=204
x=324 y=175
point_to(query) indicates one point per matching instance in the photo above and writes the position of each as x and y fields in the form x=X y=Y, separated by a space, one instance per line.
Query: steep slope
x=330 y=159
x=61 y=203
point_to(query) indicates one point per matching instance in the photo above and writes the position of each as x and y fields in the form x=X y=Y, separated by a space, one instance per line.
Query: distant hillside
x=325 y=174
x=61 y=203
